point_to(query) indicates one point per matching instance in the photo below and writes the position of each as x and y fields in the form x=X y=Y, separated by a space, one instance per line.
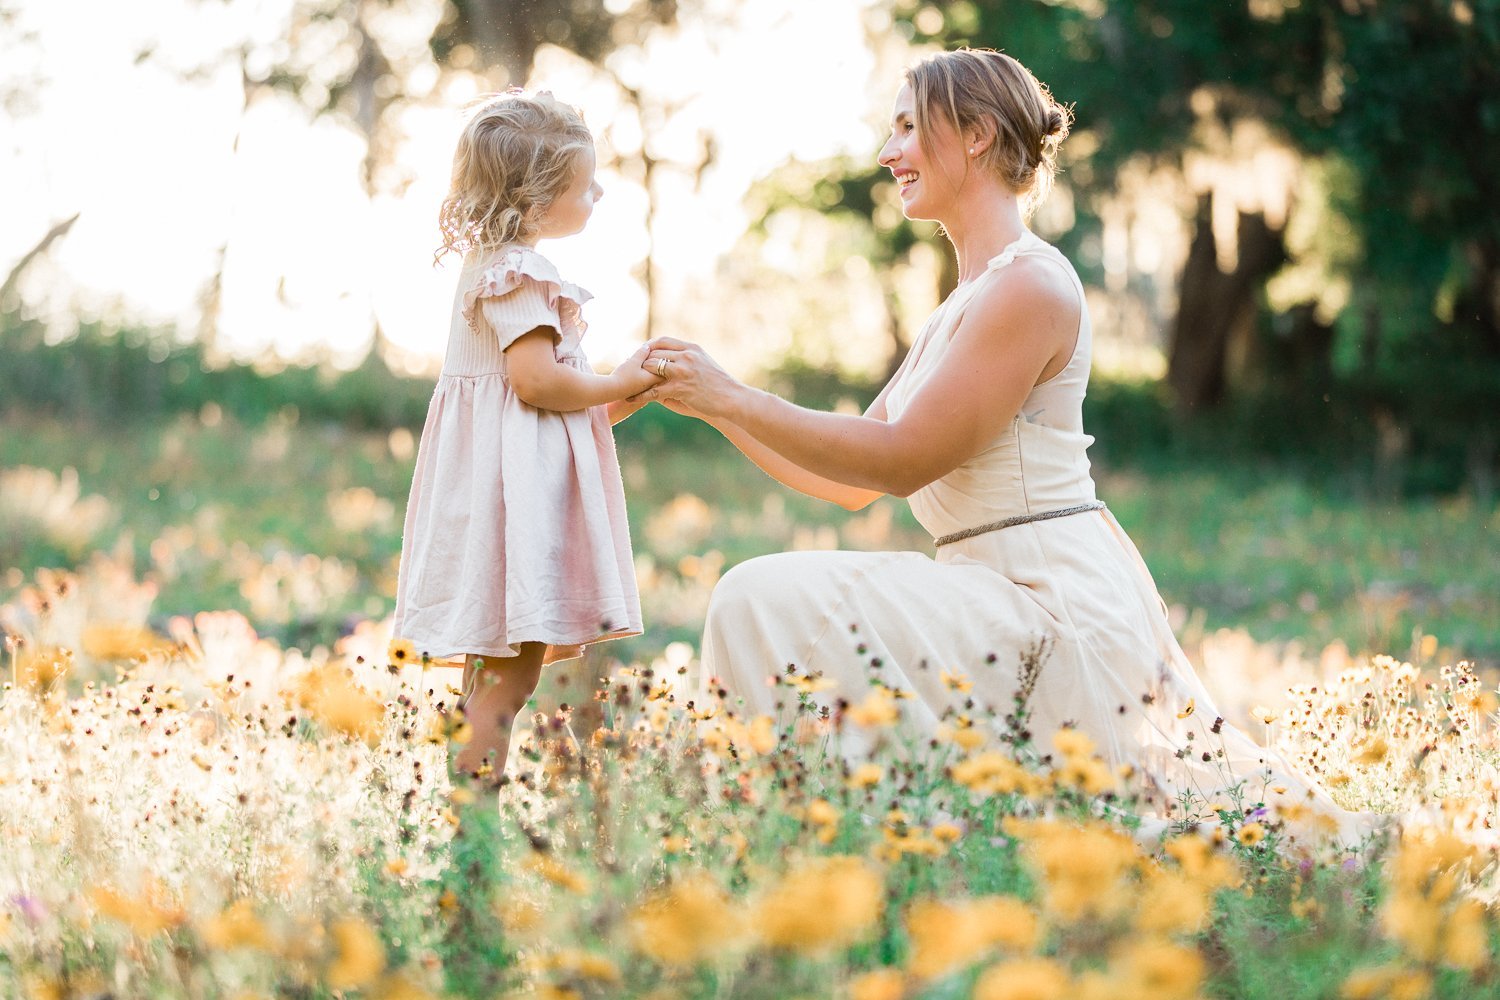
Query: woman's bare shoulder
x=1031 y=291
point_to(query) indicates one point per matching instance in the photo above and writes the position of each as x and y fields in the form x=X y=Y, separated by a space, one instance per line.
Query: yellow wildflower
x=118 y=641
x=1372 y=752
x=1023 y=979
x=146 y=912
x=43 y=667
x=557 y=873
x=1090 y=776
x=882 y=984
x=878 y=709
x=401 y=986
x=1465 y=939
x=1187 y=711
x=992 y=773
x=866 y=776
x=333 y=698
x=809 y=685
x=1072 y=743
x=821 y=904
x=359 y=957
x=1386 y=982
x=759 y=735
x=1172 y=903
x=519 y=915
x=963 y=734
x=956 y=682
x=948 y=936
x=1199 y=861
x=1251 y=834
x=236 y=926
x=401 y=652
x=576 y=962
x=1157 y=970
x=822 y=812
x=690 y=922
x=1082 y=867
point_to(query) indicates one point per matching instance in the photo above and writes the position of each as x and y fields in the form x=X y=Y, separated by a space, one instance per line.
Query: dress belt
x=1011 y=522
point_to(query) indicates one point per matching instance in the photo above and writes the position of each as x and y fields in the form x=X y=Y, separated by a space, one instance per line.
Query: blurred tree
x=362 y=61
x=500 y=38
x=1399 y=102
x=859 y=195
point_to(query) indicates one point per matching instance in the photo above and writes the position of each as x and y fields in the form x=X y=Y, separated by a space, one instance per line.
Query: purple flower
x=31 y=908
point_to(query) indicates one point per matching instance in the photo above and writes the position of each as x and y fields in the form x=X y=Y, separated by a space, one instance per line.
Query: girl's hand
x=690 y=376
x=634 y=375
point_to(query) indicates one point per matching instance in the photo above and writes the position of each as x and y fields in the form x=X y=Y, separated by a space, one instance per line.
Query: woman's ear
x=979 y=137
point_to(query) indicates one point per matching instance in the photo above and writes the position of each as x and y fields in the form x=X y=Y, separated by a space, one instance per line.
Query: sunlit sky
x=147 y=156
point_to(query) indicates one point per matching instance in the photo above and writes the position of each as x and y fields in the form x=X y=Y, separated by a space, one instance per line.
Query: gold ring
x=661 y=367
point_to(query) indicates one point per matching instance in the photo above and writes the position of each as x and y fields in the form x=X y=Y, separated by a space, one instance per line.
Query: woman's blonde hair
x=516 y=155
x=989 y=90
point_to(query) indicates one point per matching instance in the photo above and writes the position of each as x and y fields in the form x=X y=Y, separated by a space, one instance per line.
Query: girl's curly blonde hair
x=517 y=154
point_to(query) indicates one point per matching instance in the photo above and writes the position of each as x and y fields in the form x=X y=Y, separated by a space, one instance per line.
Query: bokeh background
x=220 y=322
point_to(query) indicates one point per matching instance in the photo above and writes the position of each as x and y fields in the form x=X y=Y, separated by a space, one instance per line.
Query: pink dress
x=515 y=530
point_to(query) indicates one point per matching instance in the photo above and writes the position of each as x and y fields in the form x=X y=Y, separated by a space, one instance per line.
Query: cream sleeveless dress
x=1112 y=667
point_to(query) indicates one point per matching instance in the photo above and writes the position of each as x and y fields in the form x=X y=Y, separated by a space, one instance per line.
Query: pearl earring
x=971 y=150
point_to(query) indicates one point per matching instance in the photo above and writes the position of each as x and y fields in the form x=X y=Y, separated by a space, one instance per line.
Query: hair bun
x=1057 y=123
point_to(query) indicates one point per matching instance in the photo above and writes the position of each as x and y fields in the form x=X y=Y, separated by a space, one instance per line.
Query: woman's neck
x=985 y=222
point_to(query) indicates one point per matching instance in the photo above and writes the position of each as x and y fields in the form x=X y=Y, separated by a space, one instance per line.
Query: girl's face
x=570 y=212
x=930 y=178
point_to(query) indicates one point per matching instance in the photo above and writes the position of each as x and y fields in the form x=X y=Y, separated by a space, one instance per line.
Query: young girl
x=515 y=550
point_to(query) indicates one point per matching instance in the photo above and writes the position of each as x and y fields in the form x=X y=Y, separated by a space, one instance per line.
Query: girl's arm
x=1020 y=329
x=546 y=383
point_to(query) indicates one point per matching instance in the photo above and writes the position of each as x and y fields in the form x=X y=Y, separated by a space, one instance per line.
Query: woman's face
x=570 y=212
x=929 y=178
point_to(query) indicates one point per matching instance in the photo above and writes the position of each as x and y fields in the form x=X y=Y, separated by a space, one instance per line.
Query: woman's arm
x=781 y=469
x=546 y=383
x=1022 y=325
x=622 y=408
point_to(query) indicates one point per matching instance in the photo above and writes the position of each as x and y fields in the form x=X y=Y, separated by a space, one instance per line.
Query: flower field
x=198 y=812
x=255 y=801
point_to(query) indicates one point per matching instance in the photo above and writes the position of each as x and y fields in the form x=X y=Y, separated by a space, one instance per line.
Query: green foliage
x=1401 y=101
x=121 y=375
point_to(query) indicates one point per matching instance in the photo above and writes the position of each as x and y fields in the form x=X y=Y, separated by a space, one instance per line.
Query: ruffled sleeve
x=518 y=292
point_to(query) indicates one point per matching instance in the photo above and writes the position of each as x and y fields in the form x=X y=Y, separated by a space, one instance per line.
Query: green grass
x=1234 y=545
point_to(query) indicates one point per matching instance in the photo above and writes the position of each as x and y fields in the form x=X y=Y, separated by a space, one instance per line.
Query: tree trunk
x=1212 y=303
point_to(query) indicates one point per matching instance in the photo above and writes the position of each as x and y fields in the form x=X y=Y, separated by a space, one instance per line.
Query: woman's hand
x=690 y=377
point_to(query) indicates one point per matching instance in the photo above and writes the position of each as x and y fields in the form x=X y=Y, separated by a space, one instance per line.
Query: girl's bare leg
x=494 y=695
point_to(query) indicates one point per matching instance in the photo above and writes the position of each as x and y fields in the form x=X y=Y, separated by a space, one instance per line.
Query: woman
x=981 y=429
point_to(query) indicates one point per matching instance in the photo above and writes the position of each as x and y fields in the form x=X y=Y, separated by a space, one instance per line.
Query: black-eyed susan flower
x=401 y=653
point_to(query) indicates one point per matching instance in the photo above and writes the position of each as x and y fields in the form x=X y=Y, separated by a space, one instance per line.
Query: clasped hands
x=690 y=381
